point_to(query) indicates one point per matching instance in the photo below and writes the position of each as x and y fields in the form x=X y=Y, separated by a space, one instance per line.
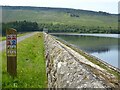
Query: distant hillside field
x=60 y=16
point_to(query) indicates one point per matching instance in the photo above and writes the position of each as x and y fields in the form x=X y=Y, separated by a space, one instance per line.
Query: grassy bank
x=31 y=71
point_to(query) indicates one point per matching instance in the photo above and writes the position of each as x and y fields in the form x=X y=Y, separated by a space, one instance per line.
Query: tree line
x=27 y=26
x=20 y=26
x=57 y=28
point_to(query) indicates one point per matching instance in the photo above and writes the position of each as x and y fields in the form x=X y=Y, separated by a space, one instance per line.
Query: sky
x=110 y=6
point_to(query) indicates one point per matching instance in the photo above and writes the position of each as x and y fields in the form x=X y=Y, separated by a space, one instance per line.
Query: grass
x=3 y=38
x=0 y=69
x=31 y=70
x=0 y=38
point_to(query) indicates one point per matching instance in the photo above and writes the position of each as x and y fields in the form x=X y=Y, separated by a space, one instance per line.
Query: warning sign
x=11 y=43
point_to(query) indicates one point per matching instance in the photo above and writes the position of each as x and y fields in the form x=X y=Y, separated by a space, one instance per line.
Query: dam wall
x=66 y=68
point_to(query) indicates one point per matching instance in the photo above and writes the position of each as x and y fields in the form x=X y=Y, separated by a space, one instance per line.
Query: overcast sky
x=110 y=6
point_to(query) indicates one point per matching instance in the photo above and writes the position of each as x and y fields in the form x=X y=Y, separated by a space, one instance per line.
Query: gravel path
x=19 y=39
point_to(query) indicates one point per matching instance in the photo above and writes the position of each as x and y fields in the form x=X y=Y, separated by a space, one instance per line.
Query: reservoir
x=102 y=46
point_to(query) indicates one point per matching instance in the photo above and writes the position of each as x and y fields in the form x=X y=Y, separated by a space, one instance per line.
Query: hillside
x=61 y=16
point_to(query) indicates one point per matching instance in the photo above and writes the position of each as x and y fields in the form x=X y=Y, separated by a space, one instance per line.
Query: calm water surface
x=103 y=46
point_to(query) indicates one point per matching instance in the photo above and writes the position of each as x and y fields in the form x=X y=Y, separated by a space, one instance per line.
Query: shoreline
x=85 y=34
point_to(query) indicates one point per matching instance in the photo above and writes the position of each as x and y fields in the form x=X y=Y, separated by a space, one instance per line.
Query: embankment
x=67 y=68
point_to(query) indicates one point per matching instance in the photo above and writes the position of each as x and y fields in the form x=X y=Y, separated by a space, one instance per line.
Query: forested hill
x=63 y=19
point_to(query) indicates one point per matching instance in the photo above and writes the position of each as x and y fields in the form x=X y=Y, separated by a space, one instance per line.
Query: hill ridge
x=56 y=8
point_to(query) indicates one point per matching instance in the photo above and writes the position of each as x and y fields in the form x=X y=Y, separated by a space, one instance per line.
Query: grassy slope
x=1 y=38
x=31 y=65
x=62 y=17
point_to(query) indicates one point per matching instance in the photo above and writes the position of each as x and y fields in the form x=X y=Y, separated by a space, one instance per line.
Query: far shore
x=86 y=34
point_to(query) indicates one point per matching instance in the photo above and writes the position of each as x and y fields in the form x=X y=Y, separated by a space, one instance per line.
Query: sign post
x=11 y=51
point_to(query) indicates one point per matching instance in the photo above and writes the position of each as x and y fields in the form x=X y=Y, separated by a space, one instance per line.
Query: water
x=103 y=46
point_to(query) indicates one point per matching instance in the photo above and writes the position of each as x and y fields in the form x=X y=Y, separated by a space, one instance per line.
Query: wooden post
x=11 y=51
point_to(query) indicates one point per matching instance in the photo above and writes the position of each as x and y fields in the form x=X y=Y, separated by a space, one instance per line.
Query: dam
x=67 y=68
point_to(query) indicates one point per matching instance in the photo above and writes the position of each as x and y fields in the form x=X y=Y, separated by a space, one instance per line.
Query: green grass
x=3 y=38
x=31 y=70
x=0 y=69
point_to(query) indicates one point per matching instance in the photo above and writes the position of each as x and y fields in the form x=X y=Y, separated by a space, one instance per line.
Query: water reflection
x=98 y=50
x=105 y=48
